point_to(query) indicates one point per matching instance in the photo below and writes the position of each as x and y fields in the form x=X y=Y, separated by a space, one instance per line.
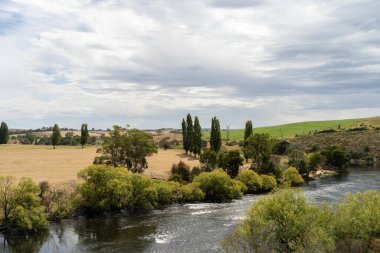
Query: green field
x=290 y=130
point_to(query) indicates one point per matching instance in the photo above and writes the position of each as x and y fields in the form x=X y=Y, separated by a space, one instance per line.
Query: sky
x=148 y=63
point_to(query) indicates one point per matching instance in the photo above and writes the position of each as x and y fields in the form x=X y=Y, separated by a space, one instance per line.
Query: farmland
x=290 y=130
x=62 y=164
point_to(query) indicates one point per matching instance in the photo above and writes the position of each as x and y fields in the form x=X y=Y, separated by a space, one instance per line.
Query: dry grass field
x=63 y=163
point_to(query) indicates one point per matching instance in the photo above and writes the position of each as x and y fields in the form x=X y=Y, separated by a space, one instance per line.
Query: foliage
x=296 y=156
x=59 y=199
x=84 y=135
x=286 y=222
x=215 y=135
x=208 y=159
x=336 y=157
x=281 y=147
x=181 y=169
x=269 y=182
x=291 y=177
x=259 y=148
x=251 y=180
x=197 y=137
x=105 y=188
x=186 y=146
x=4 y=133
x=144 y=194
x=248 y=131
x=176 y=178
x=282 y=222
x=20 y=205
x=190 y=133
x=230 y=161
x=218 y=186
x=269 y=168
x=195 y=171
x=192 y=193
x=167 y=191
x=315 y=161
x=56 y=136
x=128 y=149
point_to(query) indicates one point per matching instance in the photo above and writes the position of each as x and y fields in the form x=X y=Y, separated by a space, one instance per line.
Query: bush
x=270 y=168
x=282 y=222
x=291 y=177
x=251 y=180
x=59 y=199
x=176 y=178
x=144 y=195
x=167 y=192
x=208 y=159
x=218 y=186
x=195 y=172
x=105 y=188
x=181 y=169
x=269 y=182
x=21 y=205
x=336 y=157
x=192 y=193
x=230 y=161
x=357 y=221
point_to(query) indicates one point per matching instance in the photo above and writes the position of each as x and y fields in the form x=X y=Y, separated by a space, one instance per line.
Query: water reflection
x=187 y=228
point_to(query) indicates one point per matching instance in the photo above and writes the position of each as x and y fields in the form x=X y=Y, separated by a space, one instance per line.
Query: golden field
x=64 y=162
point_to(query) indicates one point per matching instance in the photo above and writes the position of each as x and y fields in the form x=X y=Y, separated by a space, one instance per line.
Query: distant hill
x=293 y=129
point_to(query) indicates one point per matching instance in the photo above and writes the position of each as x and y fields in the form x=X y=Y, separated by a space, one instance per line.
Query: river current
x=174 y=228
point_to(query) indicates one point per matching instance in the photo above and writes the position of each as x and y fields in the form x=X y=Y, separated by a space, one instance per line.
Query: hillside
x=292 y=129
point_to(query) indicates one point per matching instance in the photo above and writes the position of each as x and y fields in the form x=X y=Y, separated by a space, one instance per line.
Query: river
x=175 y=228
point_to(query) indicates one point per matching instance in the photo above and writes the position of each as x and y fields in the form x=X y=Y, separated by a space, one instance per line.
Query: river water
x=175 y=228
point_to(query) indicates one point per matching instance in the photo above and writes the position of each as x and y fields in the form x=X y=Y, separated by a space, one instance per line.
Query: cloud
x=148 y=63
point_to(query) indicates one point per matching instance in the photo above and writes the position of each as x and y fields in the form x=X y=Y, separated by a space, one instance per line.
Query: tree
x=197 y=137
x=215 y=138
x=190 y=133
x=248 y=131
x=184 y=136
x=230 y=162
x=84 y=135
x=56 y=136
x=336 y=157
x=128 y=149
x=4 y=133
x=208 y=159
x=259 y=148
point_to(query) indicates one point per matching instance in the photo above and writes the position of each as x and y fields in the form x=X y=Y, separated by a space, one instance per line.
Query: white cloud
x=148 y=63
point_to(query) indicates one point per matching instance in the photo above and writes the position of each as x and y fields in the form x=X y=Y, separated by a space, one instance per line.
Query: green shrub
x=168 y=192
x=281 y=222
x=59 y=199
x=269 y=182
x=176 y=178
x=251 y=180
x=357 y=221
x=21 y=205
x=218 y=186
x=291 y=177
x=144 y=194
x=195 y=172
x=208 y=159
x=183 y=170
x=230 y=161
x=105 y=188
x=192 y=193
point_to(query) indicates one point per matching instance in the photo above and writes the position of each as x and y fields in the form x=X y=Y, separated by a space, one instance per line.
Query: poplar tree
x=56 y=136
x=4 y=133
x=190 y=133
x=215 y=138
x=84 y=134
x=184 y=136
x=197 y=138
x=248 y=130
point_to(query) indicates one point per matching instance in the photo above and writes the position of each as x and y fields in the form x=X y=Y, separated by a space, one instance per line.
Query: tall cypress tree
x=83 y=134
x=197 y=138
x=184 y=136
x=248 y=130
x=190 y=133
x=4 y=133
x=56 y=136
x=215 y=138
